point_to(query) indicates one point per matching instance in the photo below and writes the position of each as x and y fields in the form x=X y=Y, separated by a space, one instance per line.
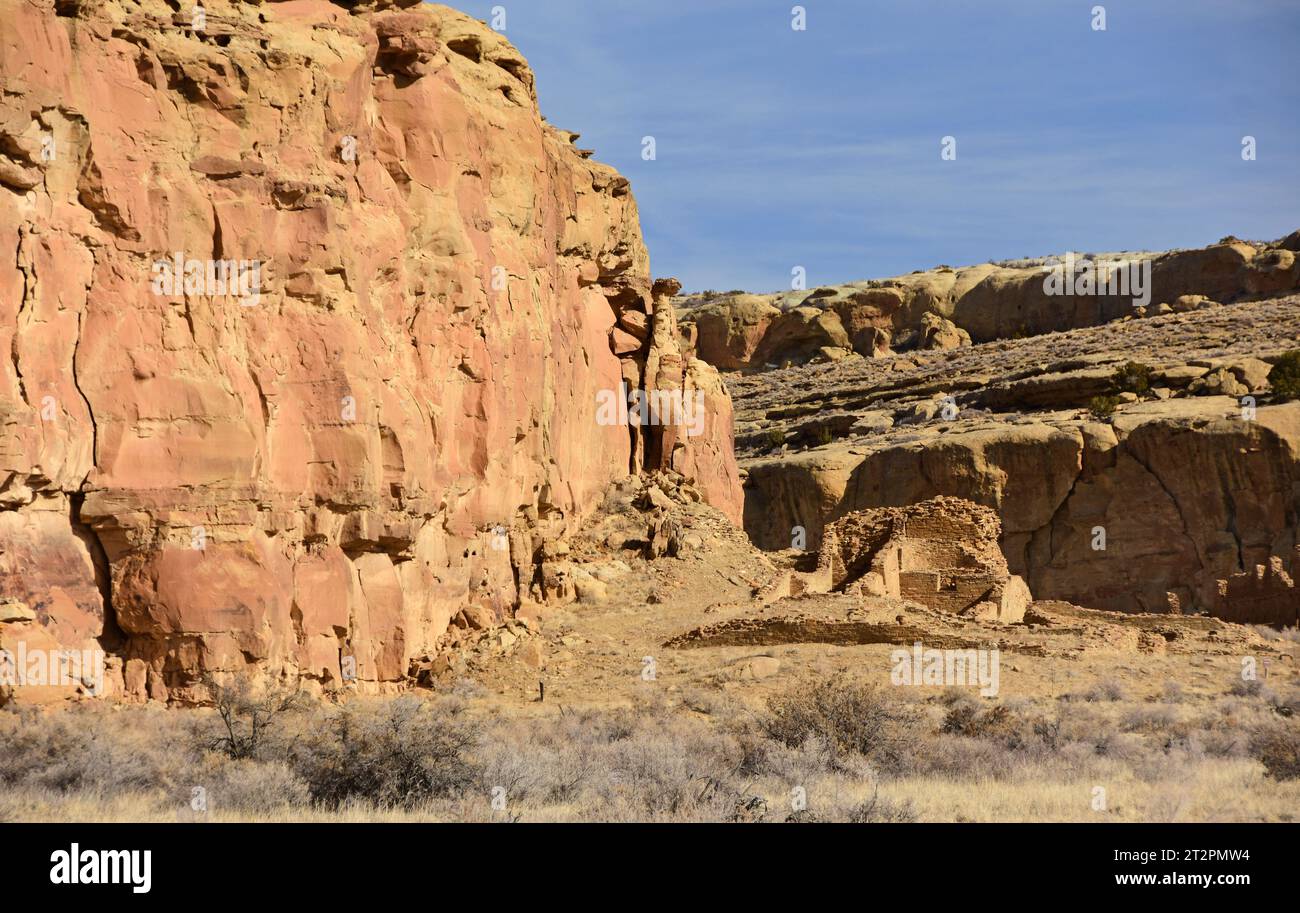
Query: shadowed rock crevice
x=112 y=637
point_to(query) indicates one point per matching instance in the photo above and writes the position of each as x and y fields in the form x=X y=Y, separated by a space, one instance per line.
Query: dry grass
x=826 y=750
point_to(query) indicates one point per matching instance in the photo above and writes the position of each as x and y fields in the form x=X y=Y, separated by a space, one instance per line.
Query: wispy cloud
x=821 y=148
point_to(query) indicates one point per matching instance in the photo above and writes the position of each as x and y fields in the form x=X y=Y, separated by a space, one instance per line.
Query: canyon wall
x=1126 y=461
x=1169 y=497
x=946 y=308
x=314 y=463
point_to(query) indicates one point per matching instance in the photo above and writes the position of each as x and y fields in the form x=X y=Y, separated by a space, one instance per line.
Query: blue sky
x=821 y=148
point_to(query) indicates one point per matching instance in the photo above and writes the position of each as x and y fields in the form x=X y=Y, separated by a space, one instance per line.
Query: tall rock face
x=308 y=313
x=1169 y=497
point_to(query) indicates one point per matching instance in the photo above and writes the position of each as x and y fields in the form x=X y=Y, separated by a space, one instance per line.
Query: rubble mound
x=818 y=629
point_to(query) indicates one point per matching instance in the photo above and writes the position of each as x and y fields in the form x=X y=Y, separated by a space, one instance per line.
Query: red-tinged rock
x=272 y=387
x=623 y=343
x=635 y=323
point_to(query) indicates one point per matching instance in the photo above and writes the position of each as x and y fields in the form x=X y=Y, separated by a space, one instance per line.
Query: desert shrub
x=1277 y=747
x=394 y=755
x=1246 y=687
x=749 y=809
x=1226 y=729
x=960 y=716
x=1291 y=634
x=1103 y=406
x=648 y=762
x=1157 y=718
x=1000 y=724
x=1132 y=377
x=836 y=742
x=1048 y=732
x=555 y=759
x=803 y=816
x=1223 y=742
x=246 y=715
x=774 y=438
x=671 y=767
x=1157 y=756
x=882 y=811
x=1125 y=747
x=813 y=761
x=710 y=701
x=1287 y=706
x=1105 y=690
x=520 y=772
x=954 y=695
x=1284 y=376
x=87 y=748
x=849 y=718
x=960 y=758
x=254 y=787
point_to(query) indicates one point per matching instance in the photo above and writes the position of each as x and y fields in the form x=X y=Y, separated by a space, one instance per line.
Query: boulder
x=941 y=333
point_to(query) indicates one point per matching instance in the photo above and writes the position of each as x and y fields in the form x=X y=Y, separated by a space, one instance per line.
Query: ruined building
x=1267 y=595
x=942 y=553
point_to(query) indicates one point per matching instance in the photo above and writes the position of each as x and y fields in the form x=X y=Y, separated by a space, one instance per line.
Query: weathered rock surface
x=727 y=336
x=318 y=477
x=1178 y=489
x=945 y=308
x=941 y=333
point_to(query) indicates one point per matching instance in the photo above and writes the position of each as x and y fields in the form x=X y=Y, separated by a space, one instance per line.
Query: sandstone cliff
x=373 y=419
x=946 y=308
x=1192 y=480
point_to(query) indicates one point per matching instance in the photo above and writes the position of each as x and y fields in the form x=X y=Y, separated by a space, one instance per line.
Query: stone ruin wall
x=942 y=553
x=1265 y=595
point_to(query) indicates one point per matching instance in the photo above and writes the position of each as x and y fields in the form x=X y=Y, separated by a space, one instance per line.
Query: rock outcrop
x=727 y=336
x=940 y=333
x=1107 y=516
x=309 y=315
x=945 y=308
x=1177 y=489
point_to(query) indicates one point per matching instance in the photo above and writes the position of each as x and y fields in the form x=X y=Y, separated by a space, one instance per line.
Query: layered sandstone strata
x=370 y=428
x=1172 y=496
x=946 y=308
x=1192 y=480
